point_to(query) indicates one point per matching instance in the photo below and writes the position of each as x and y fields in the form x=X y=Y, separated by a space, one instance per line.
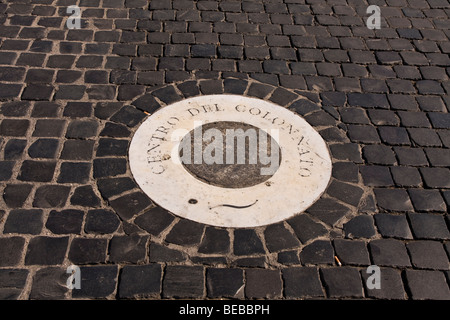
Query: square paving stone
x=379 y=154
x=345 y=171
x=224 y=283
x=112 y=147
x=43 y=148
x=328 y=210
x=13 y=150
x=360 y=227
x=109 y=187
x=394 y=135
x=368 y=100
x=376 y=176
x=161 y=253
x=436 y=177
x=411 y=156
x=140 y=281
x=428 y=255
x=74 y=172
x=77 y=150
x=15 y=108
x=6 y=168
x=96 y=282
x=183 y=282
x=185 y=232
x=80 y=129
x=302 y=282
x=11 y=249
x=305 y=228
x=363 y=134
x=39 y=171
x=393 y=199
x=406 y=176
x=48 y=128
x=247 y=242
x=115 y=130
x=353 y=252
x=426 y=285
x=14 y=127
x=389 y=252
x=77 y=109
x=288 y=257
x=49 y=284
x=342 y=282
x=51 y=196
x=109 y=167
x=438 y=157
x=37 y=92
x=346 y=192
x=393 y=226
x=65 y=221
x=391 y=286
x=383 y=117
x=270 y=288
x=414 y=119
x=46 y=250
x=87 y=251
x=428 y=226
x=128 y=248
x=28 y=221
x=318 y=252
x=85 y=196
x=101 y=221
x=424 y=137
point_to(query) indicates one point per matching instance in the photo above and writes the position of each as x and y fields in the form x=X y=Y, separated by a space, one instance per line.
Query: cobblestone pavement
x=72 y=99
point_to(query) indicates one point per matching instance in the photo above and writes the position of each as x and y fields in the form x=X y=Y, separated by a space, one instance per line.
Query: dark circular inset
x=245 y=169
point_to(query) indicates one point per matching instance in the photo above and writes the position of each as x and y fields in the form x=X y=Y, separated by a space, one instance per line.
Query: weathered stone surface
x=183 y=282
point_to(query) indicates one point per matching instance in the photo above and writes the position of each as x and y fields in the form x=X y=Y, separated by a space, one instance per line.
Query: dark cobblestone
x=24 y=221
x=342 y=282
x=49 y=284
x=97 y=281
x=427 y=284
x=44 y=250
x=271 y=287
x=65 y=221
x=11 y=251
x=389 y=252
x=183 y=282
x=128 y=248
x=395 y=226
x=140 y=281
x=222 y=282
x=391 y=285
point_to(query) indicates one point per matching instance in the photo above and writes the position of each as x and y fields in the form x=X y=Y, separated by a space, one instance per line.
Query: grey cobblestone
x=70 y=101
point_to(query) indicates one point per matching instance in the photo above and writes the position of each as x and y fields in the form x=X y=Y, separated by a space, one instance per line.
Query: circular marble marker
x=230 y=161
